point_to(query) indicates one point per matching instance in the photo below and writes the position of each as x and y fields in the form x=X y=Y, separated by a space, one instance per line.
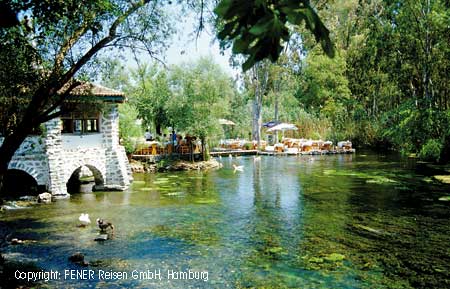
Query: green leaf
x=248 y=63
x=227 y=30
x=240 y=45
x=223 y=7
x=262 y=26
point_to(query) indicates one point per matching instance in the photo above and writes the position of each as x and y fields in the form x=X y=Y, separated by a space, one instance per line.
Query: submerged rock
x=445 y=199
x=371 y=231
x=101 y=237
x=334 y=257
x=16 y=241
x=78 y=258
x=11 y=205
x=28 y=198
x=443 y=178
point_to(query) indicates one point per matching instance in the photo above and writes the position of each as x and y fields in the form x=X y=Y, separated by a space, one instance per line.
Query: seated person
x=148 y=136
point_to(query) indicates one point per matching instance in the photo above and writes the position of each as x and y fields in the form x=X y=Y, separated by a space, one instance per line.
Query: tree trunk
x=202 y=139
x=158 y=128
x=191 y=151
x=257 y=119
x=260 y=78
x=277 y=90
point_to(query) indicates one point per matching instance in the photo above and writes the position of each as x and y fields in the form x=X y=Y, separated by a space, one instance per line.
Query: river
x=334 y=221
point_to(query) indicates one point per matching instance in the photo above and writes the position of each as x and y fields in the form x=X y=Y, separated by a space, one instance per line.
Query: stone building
x=86 y=135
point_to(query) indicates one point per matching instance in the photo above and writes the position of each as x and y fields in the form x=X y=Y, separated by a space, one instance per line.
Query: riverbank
x=169 y=165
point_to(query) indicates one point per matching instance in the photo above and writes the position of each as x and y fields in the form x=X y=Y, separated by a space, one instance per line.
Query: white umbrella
x=226 y=121
x=282 y=127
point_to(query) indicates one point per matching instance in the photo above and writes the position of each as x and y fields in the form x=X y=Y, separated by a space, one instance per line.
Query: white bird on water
x=84 y=219
x=256 y=158
x=238 y=168
x=230 y=156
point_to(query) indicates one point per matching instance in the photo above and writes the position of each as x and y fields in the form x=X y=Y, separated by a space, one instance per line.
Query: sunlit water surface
x=336 y=221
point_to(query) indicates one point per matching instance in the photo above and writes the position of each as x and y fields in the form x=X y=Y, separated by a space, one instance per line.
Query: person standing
x=174 y=137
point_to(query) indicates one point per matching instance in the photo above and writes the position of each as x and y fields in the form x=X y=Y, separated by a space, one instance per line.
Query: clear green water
x=342 y=221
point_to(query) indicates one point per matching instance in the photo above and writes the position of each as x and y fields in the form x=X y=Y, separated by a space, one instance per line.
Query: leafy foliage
x=259 y=28
x=201 y=93
x=129 y=130
x=150 y=95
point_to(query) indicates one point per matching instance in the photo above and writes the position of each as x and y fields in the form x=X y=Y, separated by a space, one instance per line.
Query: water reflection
x=341 y=221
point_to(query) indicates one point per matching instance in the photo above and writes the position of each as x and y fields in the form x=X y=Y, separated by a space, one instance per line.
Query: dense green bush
x=129 y=129
x=431 y=151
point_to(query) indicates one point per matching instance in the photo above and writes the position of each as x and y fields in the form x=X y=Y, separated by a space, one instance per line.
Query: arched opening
x=20 y=183
x=85 y=179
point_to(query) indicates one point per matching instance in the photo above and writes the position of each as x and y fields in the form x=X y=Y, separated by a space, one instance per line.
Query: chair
x=279 y=148
x=154 y=149
x=235 y=146
x=184 y=149
x=169 y=149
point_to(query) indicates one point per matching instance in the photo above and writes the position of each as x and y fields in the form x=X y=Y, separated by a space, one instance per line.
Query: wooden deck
x=233 y=153
x=272 y=153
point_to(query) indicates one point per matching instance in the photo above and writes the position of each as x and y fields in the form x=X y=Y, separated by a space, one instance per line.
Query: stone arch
x=73 y=181
x=94 y=167
x=39 y=177
x=19 y=181
x=99 y=176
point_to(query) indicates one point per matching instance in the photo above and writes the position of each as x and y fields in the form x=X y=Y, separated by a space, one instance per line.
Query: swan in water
x=238 y=168
x=84 y=219
x=256 y=158
x=230 y=156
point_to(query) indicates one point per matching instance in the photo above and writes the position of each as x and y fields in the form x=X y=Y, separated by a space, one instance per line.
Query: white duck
x=256 y=158
x=238 y=168
x=84 y=219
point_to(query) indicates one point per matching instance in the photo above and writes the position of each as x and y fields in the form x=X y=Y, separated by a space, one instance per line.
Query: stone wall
x=31 y=158
x=118 y=173
x=93 y=158
x=56 y=158
x=50 y=164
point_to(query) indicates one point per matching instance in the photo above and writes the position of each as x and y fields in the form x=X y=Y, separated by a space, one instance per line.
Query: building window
x=79 y=122
x=91 y=125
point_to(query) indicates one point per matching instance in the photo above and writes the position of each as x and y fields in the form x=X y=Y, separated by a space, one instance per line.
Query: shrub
x=431 y=151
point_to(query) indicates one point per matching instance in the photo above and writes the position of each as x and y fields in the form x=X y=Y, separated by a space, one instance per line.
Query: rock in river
x=45 y=198
x=101 y=237
x=78 y=258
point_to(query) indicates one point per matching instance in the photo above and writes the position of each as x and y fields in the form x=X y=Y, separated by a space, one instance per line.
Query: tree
x=259 y=80
x=325 y=91
x=114 y=75
x=54 y=43
x=150 y=94
x=398 y=73
x=201 y=93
